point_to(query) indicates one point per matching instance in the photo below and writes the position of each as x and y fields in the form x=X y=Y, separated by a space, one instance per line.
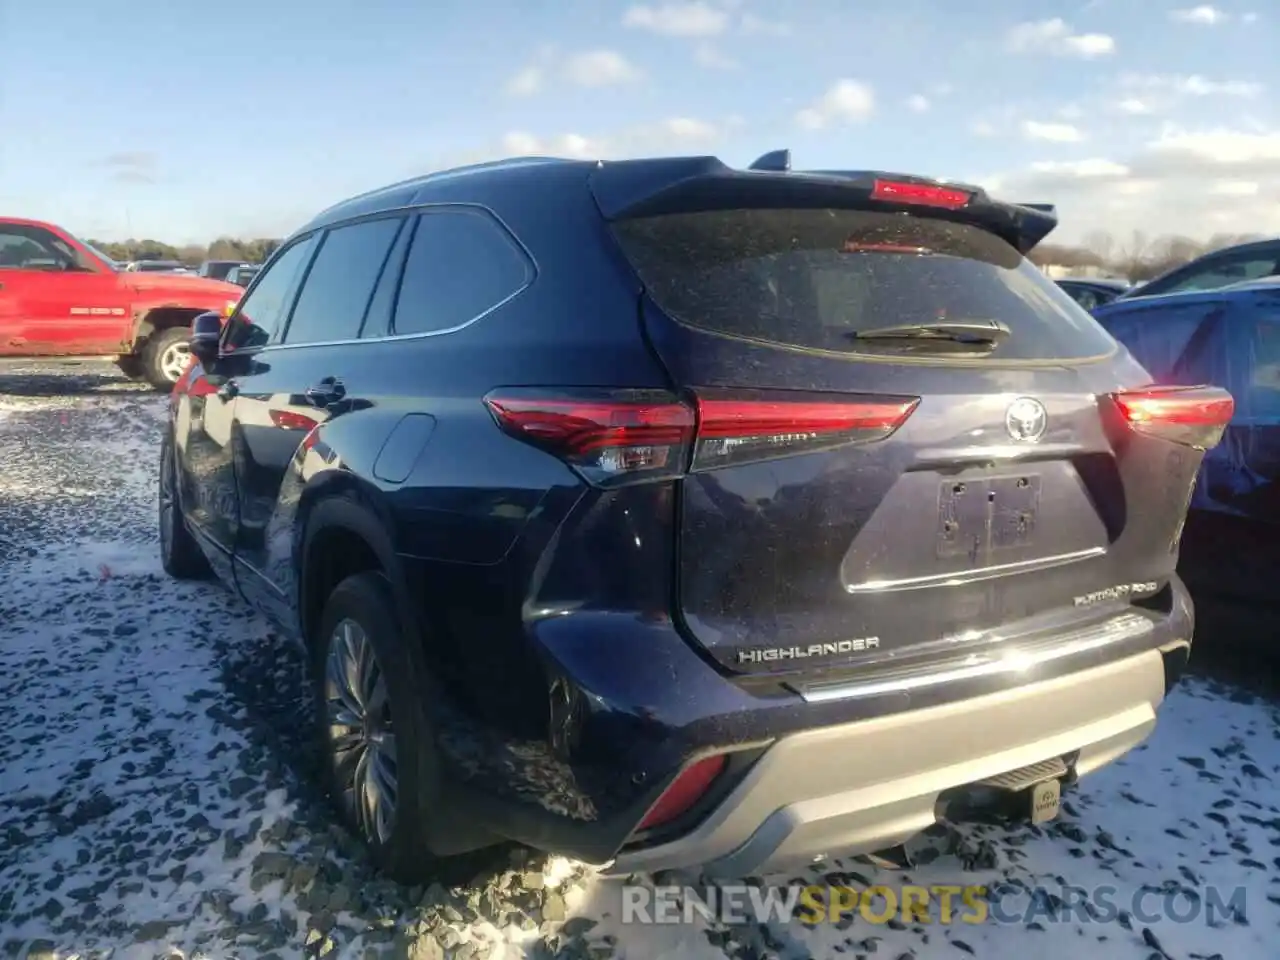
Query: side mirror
x=206 y=332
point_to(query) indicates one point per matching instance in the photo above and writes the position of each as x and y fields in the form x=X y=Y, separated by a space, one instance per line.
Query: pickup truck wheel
x=180 y=555
x=165 y=357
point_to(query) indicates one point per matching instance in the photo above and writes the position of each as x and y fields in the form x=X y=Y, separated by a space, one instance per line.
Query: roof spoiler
x=629 y=189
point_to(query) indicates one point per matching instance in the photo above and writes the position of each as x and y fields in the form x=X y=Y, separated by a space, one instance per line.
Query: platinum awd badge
x=839 y=648
x=1118 y=592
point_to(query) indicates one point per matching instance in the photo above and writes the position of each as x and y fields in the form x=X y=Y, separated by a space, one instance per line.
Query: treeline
x=224 y=248
x=1137 y=258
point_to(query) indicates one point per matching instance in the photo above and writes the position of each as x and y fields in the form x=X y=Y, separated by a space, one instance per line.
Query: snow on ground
x=157 y=783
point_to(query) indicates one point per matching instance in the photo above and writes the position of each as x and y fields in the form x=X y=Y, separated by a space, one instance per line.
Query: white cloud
x=695 y=19
x=709 y=55
x=525 y=83
x=1134 y=107
x=1205 y=15
x=1052 y=132
x=1056 y=37
x=1084 y=169
x=672 y=136
x=1221 y=148
x=918 y=103
x=600 y=68
x=847 y=101
x=1236 y=188
x=1193 y=85
x=1224 y=181
x=772 y=28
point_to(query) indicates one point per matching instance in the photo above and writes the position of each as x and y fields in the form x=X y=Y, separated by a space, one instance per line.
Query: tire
x=159 y=357
x=131 y=367
x=180 y=555
x=360 y=616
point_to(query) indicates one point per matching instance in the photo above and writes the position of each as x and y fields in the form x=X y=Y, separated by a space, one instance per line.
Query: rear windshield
x=812 y=278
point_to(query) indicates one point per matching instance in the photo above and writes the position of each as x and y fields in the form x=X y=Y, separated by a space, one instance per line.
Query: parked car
x=1092 y=292
x=218 y=269
x=662 y=514
x=1246 y=261
x=1231 y=337
x=242 y=275
x=60 y=297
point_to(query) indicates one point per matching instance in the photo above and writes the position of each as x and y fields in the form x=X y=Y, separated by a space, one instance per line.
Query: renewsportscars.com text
x=938 y=903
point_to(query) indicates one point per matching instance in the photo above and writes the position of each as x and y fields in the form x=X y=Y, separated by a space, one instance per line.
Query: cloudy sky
x=185 y=120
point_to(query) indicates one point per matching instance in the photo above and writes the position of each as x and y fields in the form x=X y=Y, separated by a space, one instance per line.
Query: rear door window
x=336 y=292
x=812 y=278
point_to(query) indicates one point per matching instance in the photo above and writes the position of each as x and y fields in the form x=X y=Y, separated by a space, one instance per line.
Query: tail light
x=686 y=789
x=630 y=436
x=920 y=194
x=1193 y=416
x=739 y=430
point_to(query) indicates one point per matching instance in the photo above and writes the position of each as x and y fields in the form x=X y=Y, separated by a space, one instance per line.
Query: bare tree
x=1103 y=245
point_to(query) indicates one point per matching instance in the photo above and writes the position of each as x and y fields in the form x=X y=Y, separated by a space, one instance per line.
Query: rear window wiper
x=978 y=332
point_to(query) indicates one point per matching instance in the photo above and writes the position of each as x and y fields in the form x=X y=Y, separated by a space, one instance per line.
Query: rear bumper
x=867 y=785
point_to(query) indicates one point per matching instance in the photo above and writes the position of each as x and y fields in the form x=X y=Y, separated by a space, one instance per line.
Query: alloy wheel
x=167 y=504
x=362 y=743
x=173 y=362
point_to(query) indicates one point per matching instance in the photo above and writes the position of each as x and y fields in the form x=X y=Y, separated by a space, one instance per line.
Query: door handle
x=327 y=391
x=228 y=390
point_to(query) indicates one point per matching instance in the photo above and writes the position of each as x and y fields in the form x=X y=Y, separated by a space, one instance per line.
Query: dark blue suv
x=662 y=514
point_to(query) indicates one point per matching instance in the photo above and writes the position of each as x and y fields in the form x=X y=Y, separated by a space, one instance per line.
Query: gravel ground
x=158 y=800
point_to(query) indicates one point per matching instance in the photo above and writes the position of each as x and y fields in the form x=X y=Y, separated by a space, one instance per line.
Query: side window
x=1226 y=270
x=31 y=248
x=262 y=311
x=460 y=264
x=377 y=321
x=340 y=283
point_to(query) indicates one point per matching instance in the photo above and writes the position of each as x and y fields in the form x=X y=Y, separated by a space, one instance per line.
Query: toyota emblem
x=1026 y=420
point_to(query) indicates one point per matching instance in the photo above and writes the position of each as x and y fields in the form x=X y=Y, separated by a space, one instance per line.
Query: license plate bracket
x=978 y=517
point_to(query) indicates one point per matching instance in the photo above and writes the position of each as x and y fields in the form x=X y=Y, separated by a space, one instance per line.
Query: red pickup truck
x=59 y=297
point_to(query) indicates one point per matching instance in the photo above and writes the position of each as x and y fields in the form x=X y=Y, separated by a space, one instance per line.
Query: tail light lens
x=742 y=429
x=628 y=436
x=1193 y=416
x=609 y=436
x=687 y=789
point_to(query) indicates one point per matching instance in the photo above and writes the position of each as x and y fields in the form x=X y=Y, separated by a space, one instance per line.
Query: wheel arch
x=152 y=319
x=341 y=534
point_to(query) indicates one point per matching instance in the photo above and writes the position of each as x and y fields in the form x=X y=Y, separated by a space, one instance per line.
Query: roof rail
x=775 y=161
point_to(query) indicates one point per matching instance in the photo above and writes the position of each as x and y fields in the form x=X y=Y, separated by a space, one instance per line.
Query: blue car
x=1093 y=292
x=664 y=514
x=1229 y=336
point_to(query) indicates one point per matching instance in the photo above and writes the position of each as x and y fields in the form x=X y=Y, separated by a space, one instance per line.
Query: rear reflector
x=920 y=194
x=630 y=436
x=685 y=790
x=1194 y=416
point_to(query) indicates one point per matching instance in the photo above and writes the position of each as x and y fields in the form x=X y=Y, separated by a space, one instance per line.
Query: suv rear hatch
x=909 y=443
